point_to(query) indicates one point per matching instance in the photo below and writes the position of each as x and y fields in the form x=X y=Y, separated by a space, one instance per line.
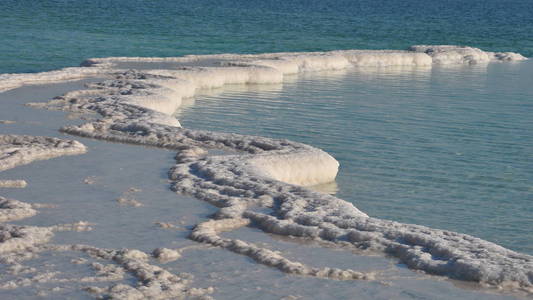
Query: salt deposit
x=285 y=63
x=127 y=198
x=154 y=282
x=13 y=183
x=166 y=255
x=207 y=232
x=19 y=150
x=461 y=55
x=262 y=184
x=90 y=180
x=11 y=81
x=19 y=243
x=11 y=210
x=311 y=168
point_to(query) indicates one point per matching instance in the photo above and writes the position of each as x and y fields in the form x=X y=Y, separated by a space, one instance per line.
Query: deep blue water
x=49 y=34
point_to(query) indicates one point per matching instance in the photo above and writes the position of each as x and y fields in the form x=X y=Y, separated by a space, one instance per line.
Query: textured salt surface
x=13 y=183
x=256 y=186
x=19 y=150
x=21 y=243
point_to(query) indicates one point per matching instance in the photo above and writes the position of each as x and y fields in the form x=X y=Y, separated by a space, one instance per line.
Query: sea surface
x=50 y=34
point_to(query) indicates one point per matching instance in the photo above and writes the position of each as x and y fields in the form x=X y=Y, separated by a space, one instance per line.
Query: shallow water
x=446 y=147
x=115 y=168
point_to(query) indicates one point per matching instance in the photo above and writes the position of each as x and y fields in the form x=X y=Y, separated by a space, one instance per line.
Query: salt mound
x=311 y=168
x=461 y=55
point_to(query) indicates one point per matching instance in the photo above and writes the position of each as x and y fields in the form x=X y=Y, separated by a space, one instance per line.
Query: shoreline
x=135 y=110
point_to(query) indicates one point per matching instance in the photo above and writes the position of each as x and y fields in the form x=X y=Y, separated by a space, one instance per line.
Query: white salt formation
x=262 y=185
x=207 y=232
x=127 y=198
x=13 y=183
x=18 y=150
x=153 y=282
x=311 y=168
x=11 y=81
x=461 y=55
x=284 y=63
x=90 y=180
x=166 y=255
x=11 y=210
x=19 y=243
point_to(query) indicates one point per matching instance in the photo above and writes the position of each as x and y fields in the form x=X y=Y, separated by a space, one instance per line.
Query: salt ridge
x=136 y=107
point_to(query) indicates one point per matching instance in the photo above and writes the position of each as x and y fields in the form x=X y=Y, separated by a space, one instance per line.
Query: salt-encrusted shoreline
x=19 y=243
x=19 y=150
x=136 y=107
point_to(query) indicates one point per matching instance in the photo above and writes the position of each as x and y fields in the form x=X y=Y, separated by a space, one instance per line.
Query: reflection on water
x=326 y=188
x=267 y=91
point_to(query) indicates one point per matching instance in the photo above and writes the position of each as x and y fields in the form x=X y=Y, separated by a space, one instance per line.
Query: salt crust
x=127 y=198
x=11 y=210
x=154 y=282
x=12 y=81
x=13 y=183
x=286 y=63
x=460 y=55
x=18 y=150
x=252 y=187
x=19 y=243
x=166 y=255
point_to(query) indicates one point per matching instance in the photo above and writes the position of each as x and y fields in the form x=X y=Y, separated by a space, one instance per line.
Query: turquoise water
x=447 y=147
x=49 y=34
